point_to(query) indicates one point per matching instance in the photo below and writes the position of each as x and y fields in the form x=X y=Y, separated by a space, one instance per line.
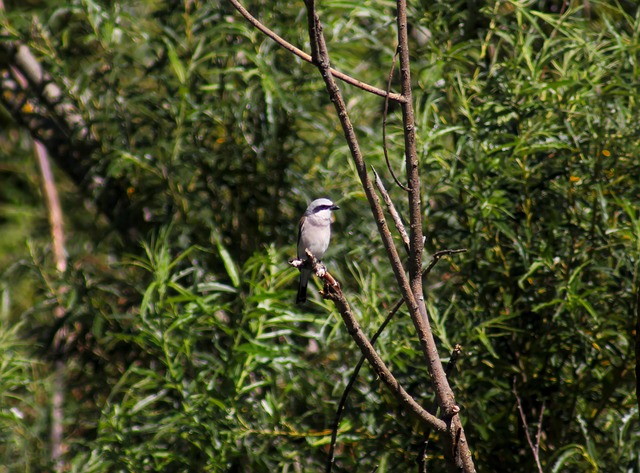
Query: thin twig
x=392 y=210
x=436 y=257
x=535 y=449
x=305 y=57
x=384 y=125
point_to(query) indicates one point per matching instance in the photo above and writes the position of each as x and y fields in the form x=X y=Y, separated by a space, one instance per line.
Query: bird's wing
x=300 y=251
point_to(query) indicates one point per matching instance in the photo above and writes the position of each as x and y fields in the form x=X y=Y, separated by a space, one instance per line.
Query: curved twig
x=436 y=257
x=384 y=125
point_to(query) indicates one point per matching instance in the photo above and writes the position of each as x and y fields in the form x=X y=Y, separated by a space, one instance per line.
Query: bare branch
x=439 y=254
x=59 y=374
x=457 y=450
x=305 y=57
x=334 y=293
x=53 y=207
x=392 y=210
x=452 y=362
x=312 y=263
x=411 y=157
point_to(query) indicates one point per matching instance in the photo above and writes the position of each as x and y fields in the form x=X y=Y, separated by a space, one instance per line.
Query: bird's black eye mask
x=326 y=207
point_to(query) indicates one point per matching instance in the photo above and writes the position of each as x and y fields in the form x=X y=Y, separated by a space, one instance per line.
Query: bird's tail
x=302 y=287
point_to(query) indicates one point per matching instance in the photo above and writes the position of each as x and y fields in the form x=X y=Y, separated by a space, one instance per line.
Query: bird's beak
x=334 y=207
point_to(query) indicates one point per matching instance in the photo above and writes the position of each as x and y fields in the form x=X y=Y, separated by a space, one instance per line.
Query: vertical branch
x=456 y=448
x=416 y=239
x=54 y=211
x=53 y=207
x=444 y=394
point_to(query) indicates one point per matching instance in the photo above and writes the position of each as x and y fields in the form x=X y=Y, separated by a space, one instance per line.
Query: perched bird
x=314 y=233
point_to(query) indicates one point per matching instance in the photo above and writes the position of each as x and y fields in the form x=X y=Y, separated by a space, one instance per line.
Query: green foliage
x=187 y=354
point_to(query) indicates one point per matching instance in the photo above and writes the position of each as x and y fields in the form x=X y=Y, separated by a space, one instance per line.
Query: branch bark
x=456 y=448
x=335 y=294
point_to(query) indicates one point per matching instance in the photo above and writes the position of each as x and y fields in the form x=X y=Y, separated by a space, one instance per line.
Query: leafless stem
x=535 y=449
x=305 y=57
x=456 y=449
x=53 y=207
x=392 y=210
x=439 y=254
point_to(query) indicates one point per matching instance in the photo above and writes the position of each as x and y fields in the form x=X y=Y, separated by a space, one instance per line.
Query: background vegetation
x=183 y=348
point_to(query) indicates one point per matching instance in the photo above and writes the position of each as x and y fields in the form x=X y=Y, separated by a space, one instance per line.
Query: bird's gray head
x=321 y=208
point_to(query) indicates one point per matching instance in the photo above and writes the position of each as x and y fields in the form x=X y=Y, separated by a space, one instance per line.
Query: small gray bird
x=314 y=233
